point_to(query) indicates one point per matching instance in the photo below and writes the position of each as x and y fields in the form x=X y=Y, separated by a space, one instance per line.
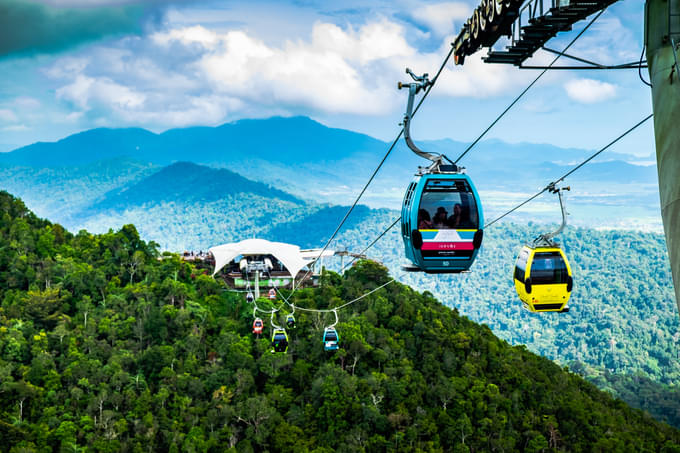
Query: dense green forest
x=623 y=323
x=108 y=345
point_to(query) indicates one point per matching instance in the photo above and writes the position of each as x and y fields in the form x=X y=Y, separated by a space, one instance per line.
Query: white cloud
x=85 y=91
x=194 y=75
x=589 y=91
x=188 y=35
x=443 y=18
x=16 y=128
x=26 y=102
x=67 y=67
x=7 y=116
x=609 y=41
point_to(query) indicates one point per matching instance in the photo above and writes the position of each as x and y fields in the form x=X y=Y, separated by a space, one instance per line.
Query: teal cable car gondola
x=441 y=218
x=330 y=339
x=442 y=221
x=330 y=335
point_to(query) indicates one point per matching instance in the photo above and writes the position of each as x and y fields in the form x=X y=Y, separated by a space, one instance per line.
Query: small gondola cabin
x=290 y=321
x=258 y=325
x=279 y=341
x=543 y=279
x=330 y=339
x=442 y=222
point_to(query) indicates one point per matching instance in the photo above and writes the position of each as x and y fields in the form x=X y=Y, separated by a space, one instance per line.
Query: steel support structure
x=662 y=33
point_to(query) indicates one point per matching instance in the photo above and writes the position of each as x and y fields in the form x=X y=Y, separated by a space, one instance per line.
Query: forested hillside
x=106 y=345
x=623 y=322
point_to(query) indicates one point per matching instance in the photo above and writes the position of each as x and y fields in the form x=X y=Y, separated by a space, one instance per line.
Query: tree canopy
x=108 y=345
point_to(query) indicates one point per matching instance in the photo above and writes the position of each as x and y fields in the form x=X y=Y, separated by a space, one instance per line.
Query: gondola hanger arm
x=547 y=239
x=419 y=83
x=335 y=312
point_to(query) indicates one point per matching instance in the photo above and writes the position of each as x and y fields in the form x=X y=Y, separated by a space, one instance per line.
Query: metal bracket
x=271 y=320
x=589 y=64
x=546 y=240
x=675 y=57
x=419 y=83
x=335 y=312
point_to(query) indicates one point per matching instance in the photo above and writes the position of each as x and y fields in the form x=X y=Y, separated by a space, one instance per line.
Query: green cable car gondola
x=279 y=340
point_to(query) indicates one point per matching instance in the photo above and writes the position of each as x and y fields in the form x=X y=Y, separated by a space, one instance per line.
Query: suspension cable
x=340 y=307
x=372 y=243
x=498 y=118
x=375 y=172
x=563 y=177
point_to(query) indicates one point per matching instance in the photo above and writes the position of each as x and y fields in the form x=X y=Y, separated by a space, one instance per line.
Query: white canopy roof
x=288 y=254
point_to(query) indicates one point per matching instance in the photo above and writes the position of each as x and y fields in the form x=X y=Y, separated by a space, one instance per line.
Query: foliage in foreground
x=106 y=347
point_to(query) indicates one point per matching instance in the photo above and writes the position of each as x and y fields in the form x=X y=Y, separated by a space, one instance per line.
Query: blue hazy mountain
x=61 y=191
x=291 y=140
x=190 y=206
x=311 y=161
x=186 y=182
x=299 y=141
x=84 y=148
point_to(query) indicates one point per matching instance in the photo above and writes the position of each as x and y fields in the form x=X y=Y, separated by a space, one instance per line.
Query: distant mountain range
x=292 y=141
x=316 y=163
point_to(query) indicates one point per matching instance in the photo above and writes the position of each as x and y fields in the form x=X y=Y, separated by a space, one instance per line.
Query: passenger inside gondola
x=437 y=198
x=440 y=219
x=424 y=221
x=455 y=220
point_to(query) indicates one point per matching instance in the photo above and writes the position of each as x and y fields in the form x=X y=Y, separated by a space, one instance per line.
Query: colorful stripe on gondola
x=447 y=239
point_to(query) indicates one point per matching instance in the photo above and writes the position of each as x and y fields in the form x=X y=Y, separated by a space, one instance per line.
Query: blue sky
x=71 y=65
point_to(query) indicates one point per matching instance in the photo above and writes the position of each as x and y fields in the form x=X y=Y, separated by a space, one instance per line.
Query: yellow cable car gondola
x=543 y=278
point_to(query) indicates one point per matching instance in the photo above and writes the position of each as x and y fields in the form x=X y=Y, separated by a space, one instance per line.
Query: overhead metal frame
x=591 y=65
x=539 y=21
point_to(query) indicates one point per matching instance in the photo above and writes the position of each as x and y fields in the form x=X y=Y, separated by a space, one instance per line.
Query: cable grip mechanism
x=546 y=240
x=420 y=83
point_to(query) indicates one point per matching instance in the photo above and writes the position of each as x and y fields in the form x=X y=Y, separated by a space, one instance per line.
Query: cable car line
x=570 y=172
x=397 y=220
x=498 y=118
x=339 y=307
x=389 y=151
x=315 y=310
x=640 y=67
x=552 y=184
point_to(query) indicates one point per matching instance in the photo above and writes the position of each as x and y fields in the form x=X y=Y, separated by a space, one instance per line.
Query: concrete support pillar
x=662 y=27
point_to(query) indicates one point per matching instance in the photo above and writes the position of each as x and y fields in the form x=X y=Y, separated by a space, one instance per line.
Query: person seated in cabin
x=440 y=219
x=424 y=221
x=465 y=219
x=455 y=220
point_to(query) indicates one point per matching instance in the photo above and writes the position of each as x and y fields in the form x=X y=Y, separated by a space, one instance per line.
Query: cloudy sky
x=71 y=65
